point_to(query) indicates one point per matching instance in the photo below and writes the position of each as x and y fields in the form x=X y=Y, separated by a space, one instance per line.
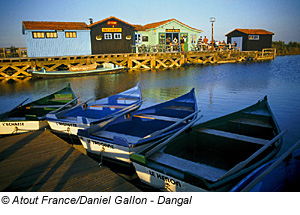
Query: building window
x=37 y=35
x=107 y=36
x=193 y=39
x=71 y=34
x=51 y=34
x=117 y=36
x=253 y=37
x=145 y=38
x=138 y=38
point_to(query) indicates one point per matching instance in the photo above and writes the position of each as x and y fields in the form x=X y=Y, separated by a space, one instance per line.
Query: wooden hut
x=250 y=39
x=46 y=39
x=111 y=35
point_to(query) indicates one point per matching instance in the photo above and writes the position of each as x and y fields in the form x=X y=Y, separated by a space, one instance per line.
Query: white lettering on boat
x=164 y=178
x=102 y=144
x=13 y=124
x=67 y=124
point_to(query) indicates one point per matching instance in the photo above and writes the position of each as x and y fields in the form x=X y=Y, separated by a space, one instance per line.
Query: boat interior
x=213 y=148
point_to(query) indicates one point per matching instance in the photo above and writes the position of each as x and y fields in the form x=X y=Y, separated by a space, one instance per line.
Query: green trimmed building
x=165 y=32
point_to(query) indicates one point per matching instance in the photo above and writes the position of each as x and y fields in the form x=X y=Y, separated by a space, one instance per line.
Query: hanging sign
x=111 y=29
x=112 y=22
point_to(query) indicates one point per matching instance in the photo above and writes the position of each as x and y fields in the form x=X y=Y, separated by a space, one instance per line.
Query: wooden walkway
x=41 y=161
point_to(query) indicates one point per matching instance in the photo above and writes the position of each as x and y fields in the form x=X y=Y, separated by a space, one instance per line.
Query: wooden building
x=250 y=39
x=46 y=39
x=111 y=35
x=167 y=32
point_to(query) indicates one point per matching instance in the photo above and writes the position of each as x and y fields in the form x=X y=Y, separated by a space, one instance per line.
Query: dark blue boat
x=121 y=136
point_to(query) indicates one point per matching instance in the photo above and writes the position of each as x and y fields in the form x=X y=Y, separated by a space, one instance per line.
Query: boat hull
x=66 y=127
x=162 y=181
x=110 y=150
x=16 y=127
x=67 y=73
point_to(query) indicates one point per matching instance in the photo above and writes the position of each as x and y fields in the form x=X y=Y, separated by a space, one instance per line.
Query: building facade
x=167 y=32
x=250 y=39
x=111 y=35
x=46 y=39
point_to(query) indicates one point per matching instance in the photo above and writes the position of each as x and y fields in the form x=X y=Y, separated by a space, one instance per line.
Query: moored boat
x=31 y=116
x=279 y=175
x=213 y=155
x=85 y=113
x=75 y=71
x=117 y=138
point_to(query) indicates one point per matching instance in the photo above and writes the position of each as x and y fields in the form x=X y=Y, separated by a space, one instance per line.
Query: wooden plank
x=233 y=136
x=157 y=117
x=254 y=122
x=40 y=161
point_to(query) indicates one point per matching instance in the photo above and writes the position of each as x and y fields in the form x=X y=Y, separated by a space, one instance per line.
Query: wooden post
x=129 y=63
x=153 y=61
x=182 y=59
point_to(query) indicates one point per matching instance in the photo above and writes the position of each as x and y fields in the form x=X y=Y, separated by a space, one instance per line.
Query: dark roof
x=37 y=25
x=252 y=31
x=111 y=17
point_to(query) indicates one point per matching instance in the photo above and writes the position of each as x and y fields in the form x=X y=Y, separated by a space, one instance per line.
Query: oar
x=54 y=111
x=119 y=111
x=241 y=165
x=159 y=146
x=156 y=133
x=270 y=168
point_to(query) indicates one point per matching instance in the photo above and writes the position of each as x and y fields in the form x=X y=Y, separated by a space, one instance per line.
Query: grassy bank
x=292 y=48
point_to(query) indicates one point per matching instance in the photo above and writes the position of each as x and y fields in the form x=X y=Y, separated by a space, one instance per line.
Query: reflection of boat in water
x=77 y=71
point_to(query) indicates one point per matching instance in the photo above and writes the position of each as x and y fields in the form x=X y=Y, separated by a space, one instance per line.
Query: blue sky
x=281 y=17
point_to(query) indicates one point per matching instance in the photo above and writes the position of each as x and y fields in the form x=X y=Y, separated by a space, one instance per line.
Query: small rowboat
x=117 y=138
x=31 y=116
x=81 y=116
x=279 y=175
x=76 y=72
x=213 y=155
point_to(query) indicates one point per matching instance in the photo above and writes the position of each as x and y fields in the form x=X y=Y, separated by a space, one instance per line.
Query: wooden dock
x=11 y=68
x=41 y=161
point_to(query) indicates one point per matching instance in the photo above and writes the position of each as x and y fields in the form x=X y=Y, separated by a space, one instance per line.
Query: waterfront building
x=46 y=39
x=167 y=32
x=111 y=35
x=250 y=39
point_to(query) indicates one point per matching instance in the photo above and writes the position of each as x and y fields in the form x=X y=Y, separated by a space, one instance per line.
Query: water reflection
x=220 y=89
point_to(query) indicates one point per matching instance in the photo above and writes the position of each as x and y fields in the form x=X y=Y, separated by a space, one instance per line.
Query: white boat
x=81 y=116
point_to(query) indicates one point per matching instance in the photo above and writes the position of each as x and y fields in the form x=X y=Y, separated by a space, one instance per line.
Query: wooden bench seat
x=108 y=106
x=157 y=117
x=254 y=122
x=202 y=170
x=62 y=98
x=175 y=107
x=110 y=135
x=233 y=136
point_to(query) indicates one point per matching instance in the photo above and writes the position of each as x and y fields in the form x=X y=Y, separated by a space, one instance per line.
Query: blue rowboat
x=84 y=114
x=213 y=155
x=123 y=135
x=281 y=174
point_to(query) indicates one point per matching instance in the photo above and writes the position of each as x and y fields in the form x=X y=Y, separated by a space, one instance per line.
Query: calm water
x=220 y=89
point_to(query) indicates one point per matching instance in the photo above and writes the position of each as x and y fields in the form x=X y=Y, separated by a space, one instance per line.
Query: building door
x=239 y=42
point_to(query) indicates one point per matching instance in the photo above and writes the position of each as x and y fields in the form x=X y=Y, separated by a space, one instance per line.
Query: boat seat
x=233 y=136
x=47 y=106
x=108 y=106
x=157 y=117
x=110 y=135
x=62 y=98
x=254 y=122
x=176 y=107
x=202 y=170
x=129 y=99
